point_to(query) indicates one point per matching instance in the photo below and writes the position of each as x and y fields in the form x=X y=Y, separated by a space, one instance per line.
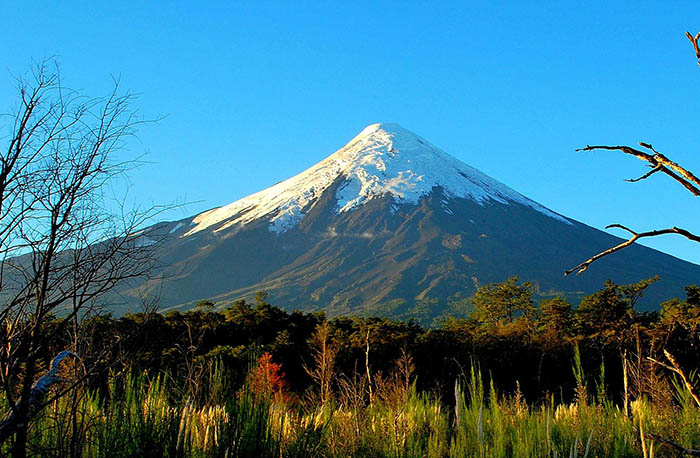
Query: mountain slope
x=386 y=221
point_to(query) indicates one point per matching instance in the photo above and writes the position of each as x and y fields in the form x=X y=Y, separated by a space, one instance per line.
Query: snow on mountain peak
x=382 y=159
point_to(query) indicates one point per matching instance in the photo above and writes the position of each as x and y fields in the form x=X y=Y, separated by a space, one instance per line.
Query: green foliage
x=140 y=417
x=556 y=319
x=206 y=305
x=505 y=307
x=182 y=391
x=684 y=314
x=500 y=426
x=608 y=314
x=581 y=385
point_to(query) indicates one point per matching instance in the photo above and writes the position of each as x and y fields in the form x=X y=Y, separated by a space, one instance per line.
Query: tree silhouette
x=61 y=250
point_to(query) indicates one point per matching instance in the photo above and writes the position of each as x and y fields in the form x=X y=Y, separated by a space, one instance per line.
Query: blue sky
x=255 y=92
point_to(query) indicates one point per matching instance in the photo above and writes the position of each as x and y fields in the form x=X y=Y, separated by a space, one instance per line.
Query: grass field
x=139 y=416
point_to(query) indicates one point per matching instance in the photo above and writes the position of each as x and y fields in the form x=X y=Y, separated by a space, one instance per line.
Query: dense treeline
x=517 y=342
x=515 y=377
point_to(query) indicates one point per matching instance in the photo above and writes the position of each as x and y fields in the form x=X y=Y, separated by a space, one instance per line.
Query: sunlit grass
x=141 y=416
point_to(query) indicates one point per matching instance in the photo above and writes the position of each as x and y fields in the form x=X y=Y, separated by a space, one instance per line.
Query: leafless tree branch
x=635 y=236
x=658 y=163
x=61 y=249
x=656 y=160
x=694 y=41
x=645 y=176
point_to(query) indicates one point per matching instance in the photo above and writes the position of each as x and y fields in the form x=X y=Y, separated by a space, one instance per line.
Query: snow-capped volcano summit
x=382 y=159
x=392 y=225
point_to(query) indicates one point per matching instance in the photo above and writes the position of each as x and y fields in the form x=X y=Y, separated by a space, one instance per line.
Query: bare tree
x=324 y=353
x=61 y=248
x=658 y=163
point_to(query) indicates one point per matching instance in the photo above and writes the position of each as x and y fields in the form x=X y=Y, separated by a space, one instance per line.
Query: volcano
x=387 y=222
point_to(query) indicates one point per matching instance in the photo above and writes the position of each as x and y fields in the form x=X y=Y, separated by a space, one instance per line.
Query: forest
x=515 y=377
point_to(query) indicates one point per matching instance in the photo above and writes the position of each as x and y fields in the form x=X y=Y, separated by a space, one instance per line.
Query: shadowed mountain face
x=385 y=222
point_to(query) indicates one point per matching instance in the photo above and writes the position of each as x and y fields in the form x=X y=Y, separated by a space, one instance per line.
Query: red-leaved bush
x=268 y=379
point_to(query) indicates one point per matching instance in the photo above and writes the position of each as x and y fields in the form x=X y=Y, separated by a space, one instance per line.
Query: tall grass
x=140 y=416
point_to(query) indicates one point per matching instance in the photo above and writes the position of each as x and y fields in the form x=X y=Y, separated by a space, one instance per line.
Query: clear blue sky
x=255 y=92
